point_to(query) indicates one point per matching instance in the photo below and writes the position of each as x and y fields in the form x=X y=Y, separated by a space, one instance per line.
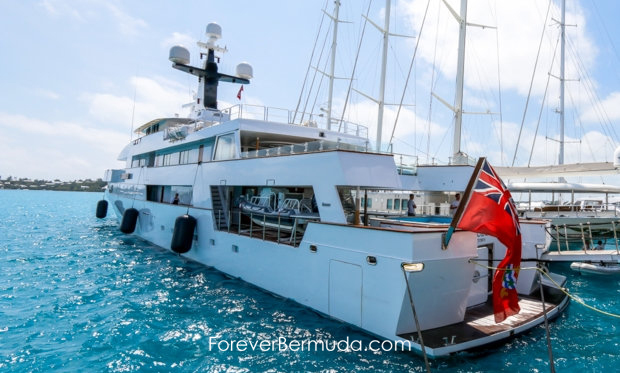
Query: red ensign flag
x=491 y=210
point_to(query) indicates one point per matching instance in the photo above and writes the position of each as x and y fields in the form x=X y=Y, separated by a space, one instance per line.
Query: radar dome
x=179 y=54
x=214 y=31
x=244 y=70
x=617 y=158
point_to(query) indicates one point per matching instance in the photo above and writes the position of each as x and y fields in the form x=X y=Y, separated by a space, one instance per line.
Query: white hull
x=337 y=279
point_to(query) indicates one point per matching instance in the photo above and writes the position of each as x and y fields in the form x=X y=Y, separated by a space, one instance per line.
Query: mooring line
x=562 y=289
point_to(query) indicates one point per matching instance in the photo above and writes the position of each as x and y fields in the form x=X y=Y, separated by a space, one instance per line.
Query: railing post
x=590 y=230
x=566 y=238
x=613 y=224
x=264 y=224
x=251 y=223
x=557 y=234
x=583 y=238
x=278 y=228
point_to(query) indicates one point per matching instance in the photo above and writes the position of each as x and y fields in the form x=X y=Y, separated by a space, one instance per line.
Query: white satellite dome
x=179 y=54
x=245 y=71
x=214 y=31
x=617 y=158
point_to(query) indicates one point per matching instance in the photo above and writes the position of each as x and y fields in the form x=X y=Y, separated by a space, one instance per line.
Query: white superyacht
x=277 y=205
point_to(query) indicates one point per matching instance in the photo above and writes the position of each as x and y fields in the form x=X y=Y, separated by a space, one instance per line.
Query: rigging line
x=433 y=85
x=592 y=94
x=359 y=48
x=194 y=184
x=433 y=82
x=318 y=89
x=133 y=200
x=591 y=91
x=542 y=35
x=547 y=332
x=316 y=72
x=415 y=317
x=601 y=22
x=133 y=111
x=415 y=51
x=499 y=93
x=563 y=290
x=309 y=64
x=542 y=105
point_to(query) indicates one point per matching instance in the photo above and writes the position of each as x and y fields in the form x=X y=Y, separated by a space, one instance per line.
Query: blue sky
x=75 y=73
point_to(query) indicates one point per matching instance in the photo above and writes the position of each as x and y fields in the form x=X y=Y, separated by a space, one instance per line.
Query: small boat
x=291 y=214
x=600 y=268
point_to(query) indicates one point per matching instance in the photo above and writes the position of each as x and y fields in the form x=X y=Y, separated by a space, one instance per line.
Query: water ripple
x=76 y=294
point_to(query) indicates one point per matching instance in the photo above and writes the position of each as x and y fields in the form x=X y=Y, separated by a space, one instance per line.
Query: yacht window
x=171 y=159
x=225 y=148
x=396 y=204
x=184 y=157
x=389 y=204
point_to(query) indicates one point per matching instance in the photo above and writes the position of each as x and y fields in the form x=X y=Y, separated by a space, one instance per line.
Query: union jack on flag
x=491 y=186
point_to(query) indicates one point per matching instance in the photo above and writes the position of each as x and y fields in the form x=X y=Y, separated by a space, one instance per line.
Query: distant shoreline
x=87 y=185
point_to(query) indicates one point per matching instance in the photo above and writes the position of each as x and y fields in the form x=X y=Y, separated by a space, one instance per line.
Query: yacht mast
x=386 y=31
x=460 y=73
x=562 y=56
x=333 y=64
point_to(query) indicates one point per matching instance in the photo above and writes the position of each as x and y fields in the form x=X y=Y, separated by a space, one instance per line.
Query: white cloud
x=127 y=24
x=88 y=11
x=155 y=97
x=511 y=46
x=46 y=93
x=608 y=109
x=178 y=38
x=62 y=150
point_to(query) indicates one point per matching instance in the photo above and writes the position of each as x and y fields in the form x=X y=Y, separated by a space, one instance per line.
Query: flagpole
x=464 y=200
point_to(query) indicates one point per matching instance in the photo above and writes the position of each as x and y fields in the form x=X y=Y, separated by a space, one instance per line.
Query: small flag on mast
x=239 y=93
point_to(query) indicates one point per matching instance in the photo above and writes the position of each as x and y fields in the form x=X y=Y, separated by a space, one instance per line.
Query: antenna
x=209 y=76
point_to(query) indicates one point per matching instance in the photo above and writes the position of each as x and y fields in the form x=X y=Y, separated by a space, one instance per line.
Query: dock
x=581 y=256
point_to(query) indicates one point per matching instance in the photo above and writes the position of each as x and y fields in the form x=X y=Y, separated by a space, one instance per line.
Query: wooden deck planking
x=479 y=322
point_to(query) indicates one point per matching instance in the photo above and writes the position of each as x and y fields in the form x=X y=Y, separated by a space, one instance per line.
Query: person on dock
x=599 y=246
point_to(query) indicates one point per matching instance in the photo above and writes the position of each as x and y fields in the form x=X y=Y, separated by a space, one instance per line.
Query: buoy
x=183 y=234
x=128 y=223
x=102 y=209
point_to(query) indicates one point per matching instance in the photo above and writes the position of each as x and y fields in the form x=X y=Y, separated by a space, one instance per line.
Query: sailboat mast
x=562 y=56
x=460 y=73
x=386 y=31
x=333 y=65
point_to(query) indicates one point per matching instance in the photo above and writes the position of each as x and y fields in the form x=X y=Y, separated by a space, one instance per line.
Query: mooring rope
x=563 y=290
x=415 y=317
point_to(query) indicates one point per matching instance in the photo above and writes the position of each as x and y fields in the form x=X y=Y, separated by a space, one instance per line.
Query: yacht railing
x=306 y=147
x=405 y=164
x=257 y=226
x=279 y=115
x=577 y=209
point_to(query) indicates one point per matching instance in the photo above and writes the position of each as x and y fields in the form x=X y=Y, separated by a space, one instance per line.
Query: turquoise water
x=77 y=295
x=426 y=219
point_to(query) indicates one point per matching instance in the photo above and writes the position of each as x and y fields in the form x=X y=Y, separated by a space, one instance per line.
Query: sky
x=77 y=76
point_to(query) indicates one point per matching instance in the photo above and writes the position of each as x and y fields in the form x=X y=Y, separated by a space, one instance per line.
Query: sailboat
x=274 y=203
x=592 y=212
